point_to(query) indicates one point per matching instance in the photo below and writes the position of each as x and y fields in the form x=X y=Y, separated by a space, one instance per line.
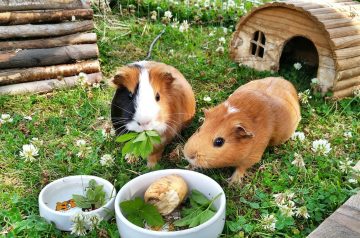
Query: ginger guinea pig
x=236 y=132
x=152 y=96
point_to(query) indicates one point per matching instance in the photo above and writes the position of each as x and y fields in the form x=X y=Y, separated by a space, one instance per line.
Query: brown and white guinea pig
x=152 y=96
x=236 y=132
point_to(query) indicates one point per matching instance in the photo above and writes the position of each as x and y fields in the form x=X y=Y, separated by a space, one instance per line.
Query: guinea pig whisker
x=121 y=108
x=176 y=134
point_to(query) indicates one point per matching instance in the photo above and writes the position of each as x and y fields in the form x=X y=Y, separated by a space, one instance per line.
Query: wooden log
x=50 y=56
x=348 y=92
x=21 y=5
x=348 y=63
x=340 y=85
x=347 y=53
x=12 y=76
x=44 y=16
x=348 y=73
x=45 y=30
x=74 y=39
x=46 y=85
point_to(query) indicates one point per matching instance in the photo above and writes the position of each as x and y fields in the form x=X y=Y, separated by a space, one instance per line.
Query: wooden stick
x=50 y=56
x=22 y=31
x=74 y=39
x=41 y=16
x=12 y=76
x=46 y=85
x=348 y=92
x=20 y=5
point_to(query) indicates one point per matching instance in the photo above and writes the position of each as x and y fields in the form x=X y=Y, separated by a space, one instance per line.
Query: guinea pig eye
x=157 y=97
x=218 y=142
x=130 y=96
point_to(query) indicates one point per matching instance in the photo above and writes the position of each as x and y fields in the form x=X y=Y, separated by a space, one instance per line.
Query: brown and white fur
x=236 y=133
x=152 y=96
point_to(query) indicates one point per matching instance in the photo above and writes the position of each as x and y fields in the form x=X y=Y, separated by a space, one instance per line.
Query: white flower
x=80 y=224
x=297 y=66
x=357 y=93
x=131 y=159
x=314 y=81
x=304 y=96
x=168 y=14
x=302 y=212
x=321 y=146
x=93 y=221
x=298 y=135
x=268 y=222
x=153 y=15
x=220 y=49
x=298 y=161
x=282 y=198
x=108 y=133
x=211 y=34
x=345 y=166
x=171 y=52
x=207 y=99
x=107 y=160
x=184 y=26
x=222 y=40
x=352 y=180
x=35 y=141
x=28 y=118
x=348 y=134
x=80 y=143
x=96 y=85
x=29 y=152
x=5 y=118
x=287 y=209
x=225 y=30
x=82 y=79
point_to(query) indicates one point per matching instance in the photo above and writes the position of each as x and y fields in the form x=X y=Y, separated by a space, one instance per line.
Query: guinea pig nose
x=143 y=123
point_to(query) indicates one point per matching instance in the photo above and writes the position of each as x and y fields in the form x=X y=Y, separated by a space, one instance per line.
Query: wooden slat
x=44 y=16
x=20 y=5
x=348 y=63
x=344 y=84
x=46 y=85
x=45 y=30
x=74 y=39
x=337 y=23
x=51 y=56
x=348 y=73
x=347 y=53
x=11 y=76
x=346 y=42
x=344 y=31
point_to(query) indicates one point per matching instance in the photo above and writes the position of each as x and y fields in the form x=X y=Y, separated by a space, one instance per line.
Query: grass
x=62 y=117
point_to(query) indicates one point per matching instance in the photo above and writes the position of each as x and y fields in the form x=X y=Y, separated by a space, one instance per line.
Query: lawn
x=61 y=118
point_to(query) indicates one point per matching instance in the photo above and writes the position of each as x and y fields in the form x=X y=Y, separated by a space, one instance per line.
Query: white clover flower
x=321 y=146
x=5 y=118
x=207 y=99
x=29 y=152
x=171 y=51
x=287 y=209
x=298 y=135
x=153 y=15
x=82 y=79
x=35 y=141
x=302 y=212
x=268 y=222
x=80 y=224
x=80 y=143
x=28 y=118
x=345 y=166
x=282 y=198
x=352 y=180
x=304 y=96
x=175 y=23
x=107 y=160
x=211 y=34
x=220 y=49
x=131 y=159
x=184 y=26
x=315 y=81
x=222 y=40
x=96 y=85
x=93 y=221
x=357 y=93
x=348 y=134
x=108 y=133
x=225 y=30
x=297 y=66
x=168 y=14
x=298 y=161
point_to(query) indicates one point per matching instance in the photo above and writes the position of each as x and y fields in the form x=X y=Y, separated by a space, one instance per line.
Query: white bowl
x=62 y=190
x=137 y=187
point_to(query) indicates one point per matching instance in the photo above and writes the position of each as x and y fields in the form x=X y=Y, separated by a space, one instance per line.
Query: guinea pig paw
x=236 y=179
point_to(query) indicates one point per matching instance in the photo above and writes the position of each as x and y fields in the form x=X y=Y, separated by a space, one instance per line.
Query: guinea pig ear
x=167 y=77
x=118 y=80
x=242 y=132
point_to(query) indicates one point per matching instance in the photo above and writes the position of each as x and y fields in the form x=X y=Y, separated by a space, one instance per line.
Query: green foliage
x=94 y=198
x=139 y=144
x=138 y=212
x=201 y=210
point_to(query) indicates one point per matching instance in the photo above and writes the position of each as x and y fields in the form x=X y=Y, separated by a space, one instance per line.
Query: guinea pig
x=236 y=133
x=152 y=96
